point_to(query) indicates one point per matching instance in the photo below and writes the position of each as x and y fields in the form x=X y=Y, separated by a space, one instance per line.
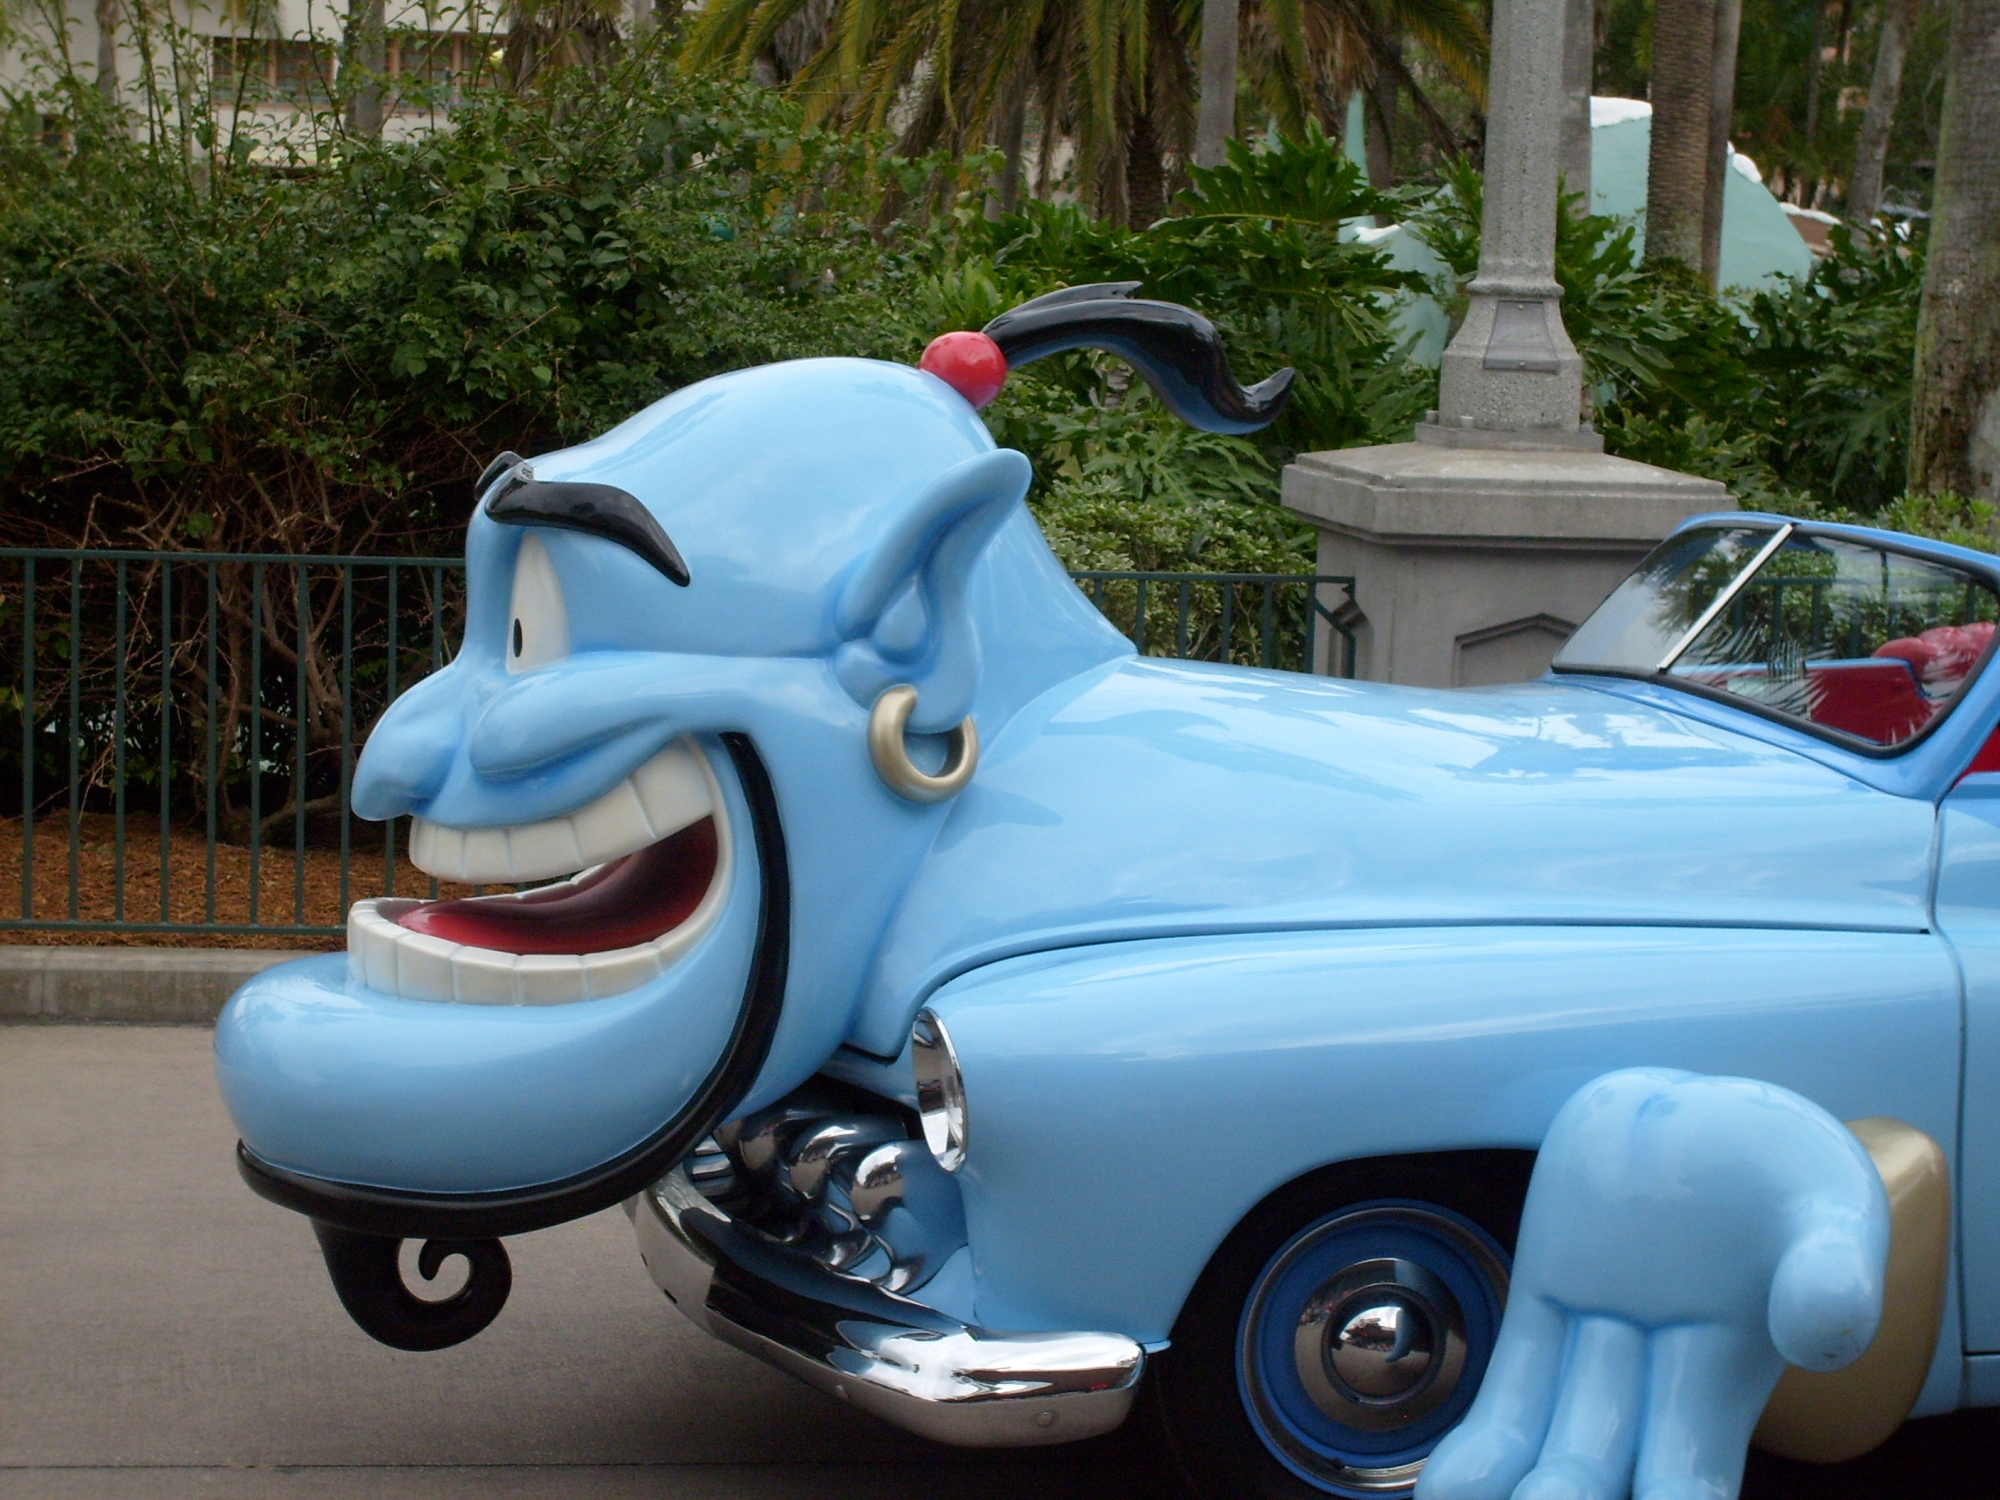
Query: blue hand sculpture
x=1684 y=1237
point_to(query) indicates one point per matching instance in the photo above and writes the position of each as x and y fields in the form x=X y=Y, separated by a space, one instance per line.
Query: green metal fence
x=185 y=725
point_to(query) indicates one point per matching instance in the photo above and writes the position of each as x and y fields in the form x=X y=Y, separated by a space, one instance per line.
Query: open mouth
x=647 y=864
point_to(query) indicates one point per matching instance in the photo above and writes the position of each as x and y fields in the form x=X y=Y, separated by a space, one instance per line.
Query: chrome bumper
x=892 y=1357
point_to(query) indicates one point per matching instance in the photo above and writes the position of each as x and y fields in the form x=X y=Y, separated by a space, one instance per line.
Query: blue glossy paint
x=1178 y=1082
x=1684 y=1239
x=823 y=568
x=1167 y=798
x=1968 y=915
x=1195 y=930
x=326 y=1076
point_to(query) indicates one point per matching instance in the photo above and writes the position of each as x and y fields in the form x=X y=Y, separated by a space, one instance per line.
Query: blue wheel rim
x=1447 y=1267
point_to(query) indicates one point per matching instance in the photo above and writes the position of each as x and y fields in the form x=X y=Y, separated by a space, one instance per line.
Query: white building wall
x=300 y=39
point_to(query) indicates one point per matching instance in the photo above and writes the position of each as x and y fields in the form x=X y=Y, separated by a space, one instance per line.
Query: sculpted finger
x=1826 y=1298
x=1486 y=1455
x=1595 y=1430
x=1706 y=1386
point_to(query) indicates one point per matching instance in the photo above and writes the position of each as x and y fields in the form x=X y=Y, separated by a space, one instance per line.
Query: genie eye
x=538 y=628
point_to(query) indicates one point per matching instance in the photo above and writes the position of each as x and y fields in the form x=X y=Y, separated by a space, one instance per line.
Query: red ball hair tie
x=970 y=363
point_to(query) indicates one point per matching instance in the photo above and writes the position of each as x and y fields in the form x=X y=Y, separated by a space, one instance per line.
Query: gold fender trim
x=1829 y=1418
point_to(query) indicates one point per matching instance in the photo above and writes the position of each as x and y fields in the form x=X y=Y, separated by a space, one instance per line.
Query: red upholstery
x=1942 y=655
x=1878 y=700
x=1888 y=697
x=1988 y=758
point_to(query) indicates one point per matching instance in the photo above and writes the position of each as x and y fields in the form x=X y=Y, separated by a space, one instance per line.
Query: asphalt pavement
x=165 y=1334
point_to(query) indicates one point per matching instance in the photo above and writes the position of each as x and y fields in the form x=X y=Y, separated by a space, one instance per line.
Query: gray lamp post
x=1511 y=368
x=1478 y=547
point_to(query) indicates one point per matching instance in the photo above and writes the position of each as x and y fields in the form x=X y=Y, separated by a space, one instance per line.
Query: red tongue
x=630 y=901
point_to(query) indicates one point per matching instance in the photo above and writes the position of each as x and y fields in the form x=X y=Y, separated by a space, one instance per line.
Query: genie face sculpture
x=675 y=637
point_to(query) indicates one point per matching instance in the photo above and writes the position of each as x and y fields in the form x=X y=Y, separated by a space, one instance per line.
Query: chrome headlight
x=940 y=1090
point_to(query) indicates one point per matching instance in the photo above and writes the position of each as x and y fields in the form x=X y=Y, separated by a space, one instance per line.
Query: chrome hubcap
x=1363 y=1340
x=1379 y=1344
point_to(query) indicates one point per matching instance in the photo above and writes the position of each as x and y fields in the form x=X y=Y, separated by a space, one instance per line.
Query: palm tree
x=1219 y=38
x=1683 y=90
x=1307 y=55
x=1871 y=147
x=1115 y=79
x=1955 y=399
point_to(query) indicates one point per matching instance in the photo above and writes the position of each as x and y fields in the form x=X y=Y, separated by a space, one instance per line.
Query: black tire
x=1229 y=1419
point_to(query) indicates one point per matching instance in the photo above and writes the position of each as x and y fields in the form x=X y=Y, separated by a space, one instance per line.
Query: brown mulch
x=290 y=891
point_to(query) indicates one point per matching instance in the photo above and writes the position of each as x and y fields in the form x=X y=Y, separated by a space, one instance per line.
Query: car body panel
x=1129 y=1103
x=1169 y=798
x=1968 y=915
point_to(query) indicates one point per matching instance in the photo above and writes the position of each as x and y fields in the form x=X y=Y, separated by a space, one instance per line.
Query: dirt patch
x=292 y=890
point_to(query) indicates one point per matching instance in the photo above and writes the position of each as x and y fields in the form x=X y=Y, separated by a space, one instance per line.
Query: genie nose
x=409 y=750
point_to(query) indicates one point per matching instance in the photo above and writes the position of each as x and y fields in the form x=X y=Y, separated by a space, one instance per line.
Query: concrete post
x=1579 y=70
x=1478 y=547
x=1511 y=367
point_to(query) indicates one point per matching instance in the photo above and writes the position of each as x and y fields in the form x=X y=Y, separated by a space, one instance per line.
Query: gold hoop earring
x=887 y=721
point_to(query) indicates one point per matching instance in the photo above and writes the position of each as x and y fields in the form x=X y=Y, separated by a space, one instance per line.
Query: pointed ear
x=902 y=615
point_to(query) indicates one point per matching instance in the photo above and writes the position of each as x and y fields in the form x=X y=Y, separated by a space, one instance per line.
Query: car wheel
x=1341 y=1332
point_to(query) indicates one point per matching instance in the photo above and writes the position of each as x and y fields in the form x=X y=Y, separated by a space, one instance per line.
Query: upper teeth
x=663 y=796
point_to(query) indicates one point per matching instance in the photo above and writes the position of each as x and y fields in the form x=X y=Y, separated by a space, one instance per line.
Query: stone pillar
x=1579 y=75
x=1471 y=565
x=1478 y=547
x=1511 y=367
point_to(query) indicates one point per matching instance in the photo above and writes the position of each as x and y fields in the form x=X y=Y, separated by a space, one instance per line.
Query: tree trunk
x=1579 y=64
x=1217 y=121
x=1815 y=69
x=367 y=49
x=1721 y=113
x=107 y=49
x=1008 y=131
x=1379 y=134
x=1683 y=92
x=1955 y=395
x=1146 y=174
x=1871 y=149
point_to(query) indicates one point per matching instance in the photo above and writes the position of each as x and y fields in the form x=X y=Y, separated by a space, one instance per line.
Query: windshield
x=1833 y=635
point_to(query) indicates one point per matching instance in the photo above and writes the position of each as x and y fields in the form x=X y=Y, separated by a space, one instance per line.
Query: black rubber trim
x=368 y=1280
x=462 y=1216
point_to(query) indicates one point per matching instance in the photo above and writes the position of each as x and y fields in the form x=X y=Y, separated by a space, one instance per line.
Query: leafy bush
x=319 y=358
x=1257 y=245
x=243 y=350
x=1796 y=398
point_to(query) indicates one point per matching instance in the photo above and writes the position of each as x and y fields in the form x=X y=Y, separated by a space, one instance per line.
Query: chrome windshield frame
x=1721 y=600
x=1978 y=566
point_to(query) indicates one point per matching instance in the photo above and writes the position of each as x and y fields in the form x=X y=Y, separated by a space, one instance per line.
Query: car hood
x=1155 y=798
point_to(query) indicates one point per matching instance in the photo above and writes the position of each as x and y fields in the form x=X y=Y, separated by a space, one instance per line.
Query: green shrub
x=1795 y=398
x=1256 y=245
x=320 y=357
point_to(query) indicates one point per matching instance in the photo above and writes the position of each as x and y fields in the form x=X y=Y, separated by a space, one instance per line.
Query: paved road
x=165 y=1334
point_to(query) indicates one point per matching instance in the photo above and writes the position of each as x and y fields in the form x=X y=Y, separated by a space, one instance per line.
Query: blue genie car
x=991 y=1026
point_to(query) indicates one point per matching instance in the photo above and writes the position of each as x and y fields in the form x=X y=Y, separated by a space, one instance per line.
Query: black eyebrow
x=520 y=499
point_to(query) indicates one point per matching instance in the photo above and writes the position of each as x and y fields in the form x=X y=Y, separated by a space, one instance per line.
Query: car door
x=1968 y=914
